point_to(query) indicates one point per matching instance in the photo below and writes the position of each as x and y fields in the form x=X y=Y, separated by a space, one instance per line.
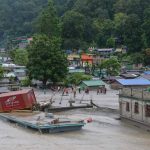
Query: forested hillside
x=16 y=17
x=107 y=23
x=101 y=23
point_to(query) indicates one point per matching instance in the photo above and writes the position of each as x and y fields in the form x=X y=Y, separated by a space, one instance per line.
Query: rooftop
x=139 y=81
x=94 y=83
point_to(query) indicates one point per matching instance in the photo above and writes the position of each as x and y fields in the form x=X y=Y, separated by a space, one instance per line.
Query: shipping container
x=17 y=100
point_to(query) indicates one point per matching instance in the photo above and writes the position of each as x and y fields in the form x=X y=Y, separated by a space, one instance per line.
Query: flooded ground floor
x=106 y=132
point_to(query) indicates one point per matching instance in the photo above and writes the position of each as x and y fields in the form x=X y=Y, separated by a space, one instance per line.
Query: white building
x=135 y=105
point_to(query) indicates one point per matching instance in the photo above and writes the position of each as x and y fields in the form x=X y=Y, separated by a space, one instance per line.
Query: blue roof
x=139 y=81
x=147 y=72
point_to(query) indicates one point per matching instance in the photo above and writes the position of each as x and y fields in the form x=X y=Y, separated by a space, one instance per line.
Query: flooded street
x=106 y=132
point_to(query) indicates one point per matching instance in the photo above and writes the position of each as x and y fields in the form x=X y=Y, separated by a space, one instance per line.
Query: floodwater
x=106 y=132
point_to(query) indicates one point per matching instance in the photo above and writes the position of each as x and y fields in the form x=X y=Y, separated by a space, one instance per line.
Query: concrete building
x=86 y=59
x=135 y=105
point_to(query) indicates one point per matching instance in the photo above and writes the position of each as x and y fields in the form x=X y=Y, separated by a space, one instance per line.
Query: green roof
x=76 y=71
x=93 y=83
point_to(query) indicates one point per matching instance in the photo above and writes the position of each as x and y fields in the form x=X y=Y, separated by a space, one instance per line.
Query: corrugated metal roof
x=147 y=72
x=146 y=76
x=94 y=83
x=139 y=81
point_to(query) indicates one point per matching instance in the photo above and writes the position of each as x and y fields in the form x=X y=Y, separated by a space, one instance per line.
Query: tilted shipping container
x=18 y=100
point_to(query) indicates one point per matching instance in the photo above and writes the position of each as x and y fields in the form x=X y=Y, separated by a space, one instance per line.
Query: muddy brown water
x=104 y=133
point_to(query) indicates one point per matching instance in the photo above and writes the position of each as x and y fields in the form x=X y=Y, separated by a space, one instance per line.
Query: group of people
x=73 y=89
x=101 y=90
x=66 y=91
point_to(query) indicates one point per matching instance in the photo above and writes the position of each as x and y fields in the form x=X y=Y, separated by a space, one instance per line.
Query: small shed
x=136 y=83
x=92 y=84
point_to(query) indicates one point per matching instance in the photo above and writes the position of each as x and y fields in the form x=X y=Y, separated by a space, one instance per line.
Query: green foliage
x=1 y=72
x=111 y=42
x=76 y=78
x=83 y=22
x=146 y=54
x=47 y=23
x=104 y=30
x=112 y=66
x=137 y=58
x=133 y=33
x=20 y=56
x=26 y=82
x=73 y=29
x=16 y=17
x=46 y=60
x=146 y=28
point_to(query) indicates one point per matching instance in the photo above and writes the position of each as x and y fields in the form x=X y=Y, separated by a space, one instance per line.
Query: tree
x=137 y=58
x=72 y=30
x=146 y=54
x=133 y=33
x=46 y=60
x=20 y=56
x=48 y=23
x=119 y=25
x=76 y=78
x=104 y=30
x=1 y=72
x=111 y=42
x=112 y=66
x=146 y=28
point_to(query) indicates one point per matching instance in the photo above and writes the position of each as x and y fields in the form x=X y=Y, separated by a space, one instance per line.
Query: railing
x=12 y=87
x=135 y=93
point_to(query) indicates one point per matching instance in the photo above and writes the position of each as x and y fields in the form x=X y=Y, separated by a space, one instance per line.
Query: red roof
x=14 y=93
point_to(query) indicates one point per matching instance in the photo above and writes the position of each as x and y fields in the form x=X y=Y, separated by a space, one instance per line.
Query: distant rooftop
x=105 y=49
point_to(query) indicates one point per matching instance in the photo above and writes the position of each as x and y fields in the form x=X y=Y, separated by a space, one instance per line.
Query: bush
x=76 y=78
x=26 y=82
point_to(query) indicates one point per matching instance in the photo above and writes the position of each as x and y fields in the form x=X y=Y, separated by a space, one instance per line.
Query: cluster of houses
x=134 y=85
x=94 y=57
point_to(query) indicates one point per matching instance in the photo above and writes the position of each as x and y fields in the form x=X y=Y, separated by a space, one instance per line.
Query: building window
x=127 y=106
x=147 y=110
x=136 y=108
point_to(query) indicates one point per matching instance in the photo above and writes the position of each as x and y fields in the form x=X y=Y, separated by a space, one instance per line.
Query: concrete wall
x=131 y=114
x=137 y=116
x=138 y=93
x=140 y=117
x=123 y=111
